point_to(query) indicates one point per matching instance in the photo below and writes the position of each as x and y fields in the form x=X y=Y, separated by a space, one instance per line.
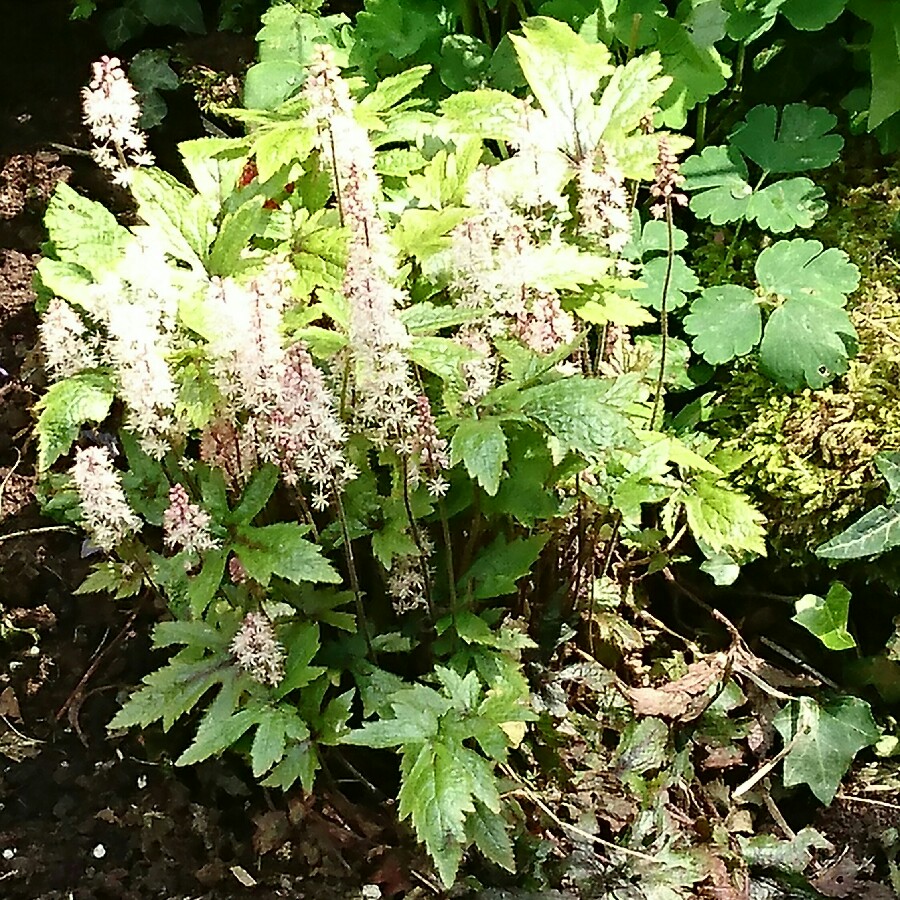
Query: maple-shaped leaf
x=726 y=322
x=723 y=518
x=804 y=269
x=717 y=180
x=786 y=205
x=796 y=141
x=823 y=741
x=806 y=342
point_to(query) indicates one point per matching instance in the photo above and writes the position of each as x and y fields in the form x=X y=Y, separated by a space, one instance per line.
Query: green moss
x=810 y=454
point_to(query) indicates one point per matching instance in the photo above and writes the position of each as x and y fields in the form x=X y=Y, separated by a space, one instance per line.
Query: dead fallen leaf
x=685 y=698
x=271 y=831
x=243 y=876
x=9 y=704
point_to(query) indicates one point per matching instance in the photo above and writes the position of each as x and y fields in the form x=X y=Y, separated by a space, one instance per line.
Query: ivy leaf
x=797 y=141
x=500 y=565
x=65 y=408
x=876 y=532
x=481 y=445
x=888 y=464
x=824 y=740
x=726 y=323
x=806 y=342
x=826 y=617
x=282 y=549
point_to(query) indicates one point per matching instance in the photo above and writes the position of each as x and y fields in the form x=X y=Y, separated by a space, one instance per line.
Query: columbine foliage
x=374 y=378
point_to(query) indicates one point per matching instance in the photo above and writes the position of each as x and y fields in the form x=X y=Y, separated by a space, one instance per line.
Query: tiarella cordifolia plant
x=369 y=384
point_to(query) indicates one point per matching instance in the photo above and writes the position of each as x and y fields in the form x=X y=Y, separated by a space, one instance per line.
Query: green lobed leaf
x=170 y=692
x=807 y=16
x=726 y=322
x=806 y=342
x=563 y=72
x=824 y=740
x=270 y=739
x=256 y=495
x=65 y=408
x=499 y=566
x=301 y=762
x=282 y=549
x=84 y=233
x=682 y=281
x=796 y=141
x=589 y=416
x=717 y=181
x=480 y=445
x=826 y=617
x=490 y=834
x=802 y=268
x=722 y=517
x=217 y=732
x=786 y=205
x=179 y=217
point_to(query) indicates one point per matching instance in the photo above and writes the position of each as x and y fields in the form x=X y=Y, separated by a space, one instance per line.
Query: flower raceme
x=106 y=515
x=112 y=113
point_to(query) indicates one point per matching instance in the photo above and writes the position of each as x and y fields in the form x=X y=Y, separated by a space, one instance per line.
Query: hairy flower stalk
x=429 y=458
x=287 y=413
x=257 y=650
x=667 y=181
x=377 y=338
x=69 y=348
x=480 y=371
x=107 y=517
x=112 y=113
x=603 y=206
x=546 y=326
x=139 y=348
x=185 y=524
x=303 y=433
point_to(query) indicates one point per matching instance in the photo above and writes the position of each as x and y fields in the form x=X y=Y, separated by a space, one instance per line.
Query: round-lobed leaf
x=726 y=322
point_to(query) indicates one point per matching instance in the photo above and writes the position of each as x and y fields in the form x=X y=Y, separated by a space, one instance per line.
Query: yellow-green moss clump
x=810 y=463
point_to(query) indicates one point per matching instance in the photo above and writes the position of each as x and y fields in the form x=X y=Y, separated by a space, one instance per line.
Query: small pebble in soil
x=99 y=851
x=9 y=852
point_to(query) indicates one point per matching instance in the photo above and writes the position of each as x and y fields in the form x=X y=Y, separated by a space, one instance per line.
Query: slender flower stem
x=354 y=579
x=664 y=316
x=448 y=544
x=417 y=539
